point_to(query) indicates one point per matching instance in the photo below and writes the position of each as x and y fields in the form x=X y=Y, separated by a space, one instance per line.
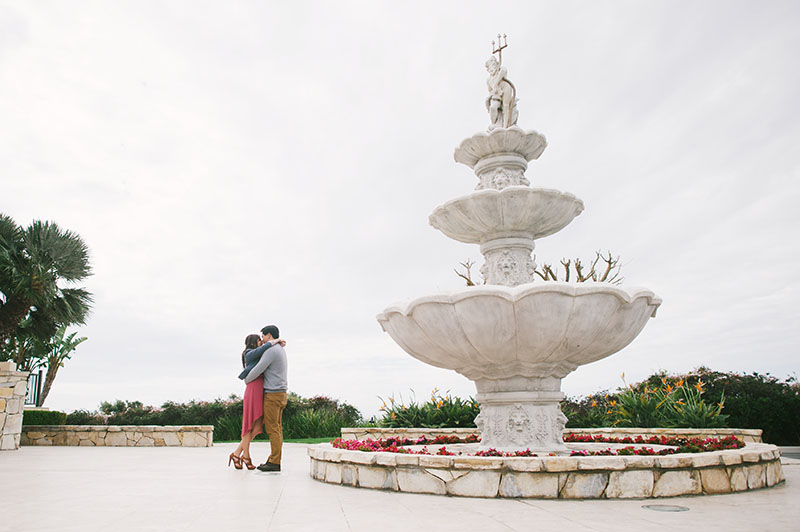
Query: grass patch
x=291 y=440
x=309 y=440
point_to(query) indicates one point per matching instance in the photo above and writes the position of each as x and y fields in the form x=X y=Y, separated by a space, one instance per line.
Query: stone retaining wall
x=13 y=387
x=118 y=435
x=755 y=466
x=746 y=435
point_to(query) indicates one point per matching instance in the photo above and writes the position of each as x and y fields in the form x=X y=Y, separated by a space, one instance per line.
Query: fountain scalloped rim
x=627 y=295
x=537 y=329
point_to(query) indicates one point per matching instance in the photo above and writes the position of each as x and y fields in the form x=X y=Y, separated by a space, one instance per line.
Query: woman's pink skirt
x=253 y=406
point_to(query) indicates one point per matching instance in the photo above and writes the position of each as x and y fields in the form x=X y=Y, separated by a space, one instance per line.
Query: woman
x=253 y=404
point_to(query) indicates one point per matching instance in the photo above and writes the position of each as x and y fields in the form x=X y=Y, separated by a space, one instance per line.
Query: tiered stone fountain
x=515 y=337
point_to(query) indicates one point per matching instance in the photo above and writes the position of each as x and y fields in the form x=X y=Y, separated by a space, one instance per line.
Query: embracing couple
x=265 y=368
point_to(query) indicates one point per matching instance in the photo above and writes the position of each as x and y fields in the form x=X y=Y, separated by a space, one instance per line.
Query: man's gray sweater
x=274 y=367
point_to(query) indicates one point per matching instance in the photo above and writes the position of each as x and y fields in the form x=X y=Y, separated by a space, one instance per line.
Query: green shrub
x=303 y=418
x=317 y=417
x=43 y=417
x=439 y=411
x=632 y=408
x=84 y=417
x=129 y=413
x=663 y=402
x=752 y=401
x=587 y=412
x=698 y=399
x=228 y=427
x=687 y=408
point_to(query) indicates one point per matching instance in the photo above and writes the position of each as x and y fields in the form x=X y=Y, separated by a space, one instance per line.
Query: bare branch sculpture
x=609 y=263
x=610 y=274
x=467 y=275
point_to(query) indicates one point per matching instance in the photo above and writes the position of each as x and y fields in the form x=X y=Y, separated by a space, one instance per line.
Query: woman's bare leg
x=240 y=447
x=254 y=431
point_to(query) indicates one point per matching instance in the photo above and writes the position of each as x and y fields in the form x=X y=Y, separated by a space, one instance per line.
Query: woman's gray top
x=251 y=358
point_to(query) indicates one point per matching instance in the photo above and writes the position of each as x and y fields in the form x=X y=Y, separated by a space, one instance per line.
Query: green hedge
x=315 y=417
x=43 y=417
x=84 y=417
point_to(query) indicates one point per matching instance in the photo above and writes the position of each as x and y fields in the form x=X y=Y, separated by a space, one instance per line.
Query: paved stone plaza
x=191 y=489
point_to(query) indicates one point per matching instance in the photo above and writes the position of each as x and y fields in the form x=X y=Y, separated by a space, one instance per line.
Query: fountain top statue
x=502 y=100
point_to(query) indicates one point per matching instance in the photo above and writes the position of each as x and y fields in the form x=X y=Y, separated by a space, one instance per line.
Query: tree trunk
x=52 y=369
x=20 y=354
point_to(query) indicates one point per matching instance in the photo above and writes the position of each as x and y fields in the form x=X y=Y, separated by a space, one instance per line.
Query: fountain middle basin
x=532 y=213
x=517 y=343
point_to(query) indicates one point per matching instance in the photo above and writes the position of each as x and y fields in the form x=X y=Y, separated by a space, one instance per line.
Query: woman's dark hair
x=251 y=342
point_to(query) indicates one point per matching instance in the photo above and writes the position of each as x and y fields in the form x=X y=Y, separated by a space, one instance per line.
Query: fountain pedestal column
x=519 y=412
x=508 y=261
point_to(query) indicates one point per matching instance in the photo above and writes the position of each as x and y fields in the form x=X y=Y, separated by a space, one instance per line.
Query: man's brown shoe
x=269 y=466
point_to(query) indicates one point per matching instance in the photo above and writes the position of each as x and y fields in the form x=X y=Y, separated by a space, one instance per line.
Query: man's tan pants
x=274 y=403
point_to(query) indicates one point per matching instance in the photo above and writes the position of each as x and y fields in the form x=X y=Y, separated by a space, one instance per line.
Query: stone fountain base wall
x=746 y=435
x=755 y=466
x=118 y=435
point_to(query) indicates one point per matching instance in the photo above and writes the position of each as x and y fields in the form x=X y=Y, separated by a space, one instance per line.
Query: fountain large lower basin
x=757 y=465
x=533 y=330
x=517 y=343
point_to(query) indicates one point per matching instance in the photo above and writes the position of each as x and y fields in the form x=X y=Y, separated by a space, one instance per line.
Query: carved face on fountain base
x=520 y=426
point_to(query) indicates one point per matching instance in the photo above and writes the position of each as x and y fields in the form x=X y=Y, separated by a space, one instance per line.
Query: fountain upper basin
x=527 y=145
x=532 y=330
x=523 y=211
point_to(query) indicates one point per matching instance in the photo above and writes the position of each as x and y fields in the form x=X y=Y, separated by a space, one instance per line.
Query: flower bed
x=374 y=433
x=634 y=469
x=671 y=445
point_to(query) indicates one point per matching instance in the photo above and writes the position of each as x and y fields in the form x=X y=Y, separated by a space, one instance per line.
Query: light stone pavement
x=191 y=489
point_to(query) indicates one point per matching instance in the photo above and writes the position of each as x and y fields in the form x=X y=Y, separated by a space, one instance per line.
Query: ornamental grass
x=440 y=410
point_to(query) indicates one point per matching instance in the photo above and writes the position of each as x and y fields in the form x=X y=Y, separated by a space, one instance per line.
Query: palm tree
x=35 y=264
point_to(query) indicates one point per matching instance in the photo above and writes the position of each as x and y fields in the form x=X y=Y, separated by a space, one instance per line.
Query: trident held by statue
x=501 y=43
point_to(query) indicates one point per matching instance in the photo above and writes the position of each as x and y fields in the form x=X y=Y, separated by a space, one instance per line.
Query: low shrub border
x=43 y=417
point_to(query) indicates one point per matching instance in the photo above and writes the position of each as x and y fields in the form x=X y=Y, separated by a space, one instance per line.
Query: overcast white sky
x=235 y=164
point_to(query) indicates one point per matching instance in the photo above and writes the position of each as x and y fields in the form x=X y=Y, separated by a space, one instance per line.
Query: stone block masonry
x=755 y=466
x=119 y=435
x=13 y=387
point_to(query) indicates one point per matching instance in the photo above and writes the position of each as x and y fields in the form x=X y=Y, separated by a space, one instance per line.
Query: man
x=274 y=367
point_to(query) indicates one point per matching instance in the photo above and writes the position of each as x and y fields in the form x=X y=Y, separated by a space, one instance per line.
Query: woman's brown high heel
x=237 y=462
x=248 y=463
